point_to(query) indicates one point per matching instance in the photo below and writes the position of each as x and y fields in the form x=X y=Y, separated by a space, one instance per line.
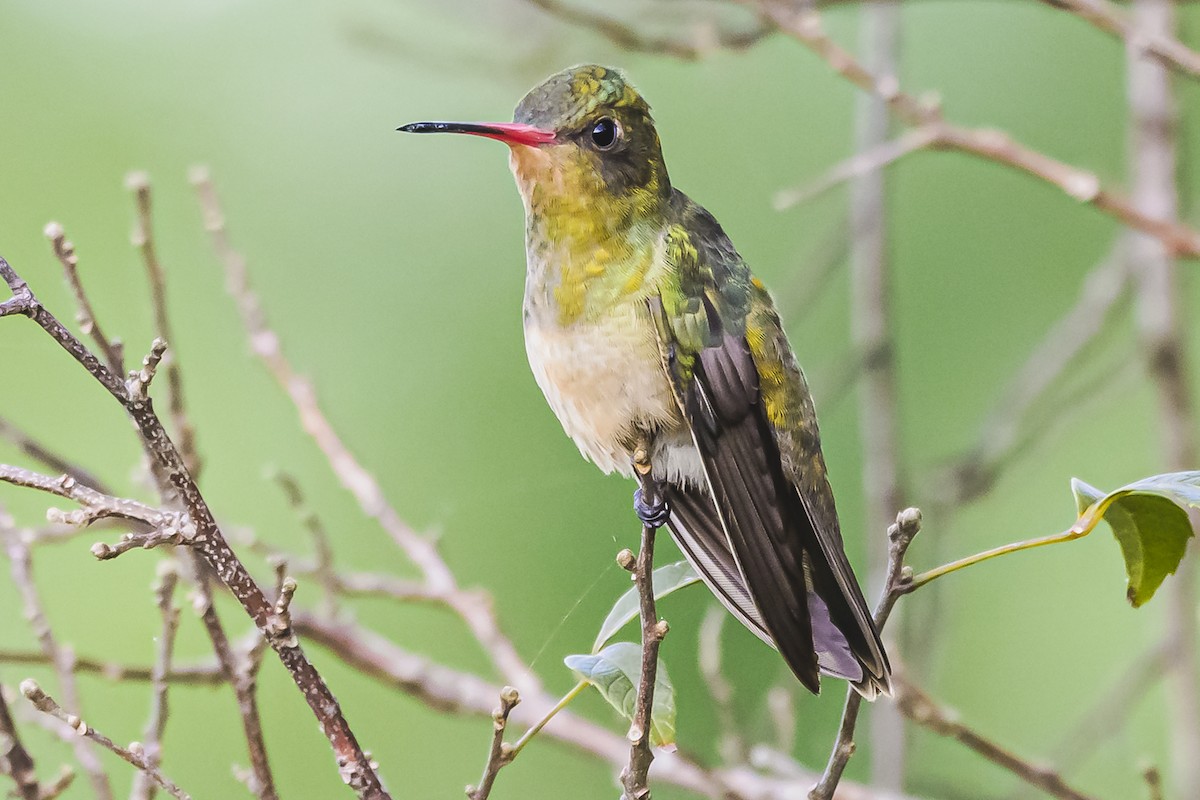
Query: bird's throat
x=587 y=250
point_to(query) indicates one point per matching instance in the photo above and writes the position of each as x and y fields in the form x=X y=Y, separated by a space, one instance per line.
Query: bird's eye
x=605 y=133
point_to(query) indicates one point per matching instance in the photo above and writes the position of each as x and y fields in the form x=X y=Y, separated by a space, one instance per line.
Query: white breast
x=604 y=381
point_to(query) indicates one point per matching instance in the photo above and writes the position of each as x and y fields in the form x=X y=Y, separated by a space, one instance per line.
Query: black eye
x=605 y=133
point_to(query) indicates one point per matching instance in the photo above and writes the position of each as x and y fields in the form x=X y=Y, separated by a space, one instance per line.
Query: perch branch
x=635 y=776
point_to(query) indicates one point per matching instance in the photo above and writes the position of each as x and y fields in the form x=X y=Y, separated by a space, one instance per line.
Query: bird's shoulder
x=708 y=293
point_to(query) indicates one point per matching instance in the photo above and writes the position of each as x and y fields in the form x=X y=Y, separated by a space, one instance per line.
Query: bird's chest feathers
x=604 y=381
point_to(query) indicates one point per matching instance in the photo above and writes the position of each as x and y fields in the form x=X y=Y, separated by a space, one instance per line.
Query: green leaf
x=616 y=672
x=1150 y=522
x=667 y=579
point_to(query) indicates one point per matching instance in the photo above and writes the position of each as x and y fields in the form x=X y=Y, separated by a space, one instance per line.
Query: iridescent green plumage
x=642 y=319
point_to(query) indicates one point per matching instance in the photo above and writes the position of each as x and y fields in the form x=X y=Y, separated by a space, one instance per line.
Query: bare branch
x=133 y=755
x=704 y=42
x=43 y=454
x=921 y=709
x=143 y=786
x=804 y=25
x=900 y=536
x=240 y=676
x=210 y=543
x=1110 y=18
x=66 y=776
x=498 y=753
x=143 y=240
x=15 y=760
x=864 y=163
x=64 y=250
x=59 y=657
x=323 y=569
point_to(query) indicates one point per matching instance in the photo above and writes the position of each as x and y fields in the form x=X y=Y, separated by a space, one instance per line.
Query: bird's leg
x=648 y=501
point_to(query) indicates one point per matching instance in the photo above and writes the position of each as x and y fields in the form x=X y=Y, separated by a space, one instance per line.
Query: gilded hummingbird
x=642 y=323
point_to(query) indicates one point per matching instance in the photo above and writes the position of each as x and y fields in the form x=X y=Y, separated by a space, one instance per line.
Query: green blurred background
x=393 y=269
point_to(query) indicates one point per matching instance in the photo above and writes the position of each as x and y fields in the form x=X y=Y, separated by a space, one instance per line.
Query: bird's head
x=582 y=136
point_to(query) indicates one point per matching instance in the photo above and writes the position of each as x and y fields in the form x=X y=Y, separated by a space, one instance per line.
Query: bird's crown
x=570 y=98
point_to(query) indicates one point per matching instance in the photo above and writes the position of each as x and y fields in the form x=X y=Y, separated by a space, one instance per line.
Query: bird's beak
x=508 y=132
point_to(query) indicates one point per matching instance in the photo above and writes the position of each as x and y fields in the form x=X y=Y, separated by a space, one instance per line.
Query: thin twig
x=237 y=673
x=143 y=240
x=143 y=787
x=40 y=452
x=15 y=760
x=64 y=251
x=804 y=25
x=865 y=163
x=52 y=790
x=921 y=709
x=323 y=568
x=47 y=705
x=900 y=536
x=209 y=542
x=162 y=527
x=60 y=657
x=1110 y=18
x=498 y=754
x=1153 y=779
x=192 y=674
x=704 y=42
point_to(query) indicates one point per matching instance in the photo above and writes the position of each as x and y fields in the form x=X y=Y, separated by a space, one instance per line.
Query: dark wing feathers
x=770 y=552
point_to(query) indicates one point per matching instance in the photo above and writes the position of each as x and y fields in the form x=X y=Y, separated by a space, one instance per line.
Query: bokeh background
x=393 y=269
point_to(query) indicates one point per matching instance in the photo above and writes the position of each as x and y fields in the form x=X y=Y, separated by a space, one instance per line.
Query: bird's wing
x=752 y=420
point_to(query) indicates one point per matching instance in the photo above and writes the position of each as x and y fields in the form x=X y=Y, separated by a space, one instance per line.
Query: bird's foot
x=653 y=513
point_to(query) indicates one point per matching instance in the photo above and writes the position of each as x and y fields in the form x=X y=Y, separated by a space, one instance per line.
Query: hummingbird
x=644 y=325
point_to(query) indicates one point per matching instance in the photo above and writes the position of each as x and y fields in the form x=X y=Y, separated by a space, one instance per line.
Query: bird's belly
x=605 y=382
